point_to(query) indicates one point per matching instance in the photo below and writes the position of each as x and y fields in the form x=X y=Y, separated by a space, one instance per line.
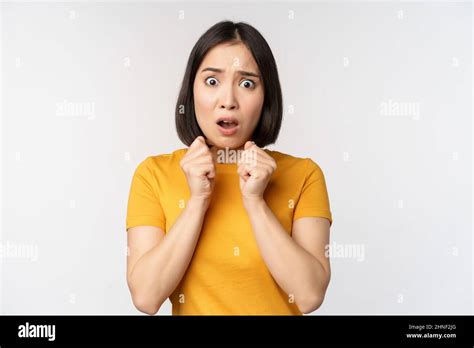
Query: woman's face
x=228 y=84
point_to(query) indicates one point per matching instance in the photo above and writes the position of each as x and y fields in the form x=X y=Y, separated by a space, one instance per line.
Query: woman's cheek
x=254 y=105
x=206 y=100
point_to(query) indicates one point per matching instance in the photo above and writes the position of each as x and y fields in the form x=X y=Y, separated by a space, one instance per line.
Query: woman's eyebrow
x=242 y=72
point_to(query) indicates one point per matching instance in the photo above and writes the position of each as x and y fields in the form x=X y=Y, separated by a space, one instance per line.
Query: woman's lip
x=228 y=119
x=228 y=131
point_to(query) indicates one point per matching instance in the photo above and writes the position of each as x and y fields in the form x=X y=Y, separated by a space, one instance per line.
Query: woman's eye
x=213 y=83
x=248 y=83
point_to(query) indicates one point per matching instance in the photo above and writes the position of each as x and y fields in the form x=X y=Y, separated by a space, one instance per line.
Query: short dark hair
x=268 y=127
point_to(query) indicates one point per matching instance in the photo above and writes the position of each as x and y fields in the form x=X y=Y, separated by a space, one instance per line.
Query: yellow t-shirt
x=227 y=275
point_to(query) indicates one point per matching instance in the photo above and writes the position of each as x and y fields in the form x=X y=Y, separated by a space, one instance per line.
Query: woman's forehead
x=224 y=56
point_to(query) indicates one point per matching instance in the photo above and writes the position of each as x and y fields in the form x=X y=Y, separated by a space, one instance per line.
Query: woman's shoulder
x=163 y=160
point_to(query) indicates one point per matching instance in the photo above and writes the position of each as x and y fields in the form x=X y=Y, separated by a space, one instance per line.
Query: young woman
x=224 y=226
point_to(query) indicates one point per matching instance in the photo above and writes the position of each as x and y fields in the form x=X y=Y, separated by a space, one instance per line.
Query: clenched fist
x=198 y=166
x=255 y=169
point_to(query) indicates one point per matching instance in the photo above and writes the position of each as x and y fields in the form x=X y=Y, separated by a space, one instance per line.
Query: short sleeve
x=313 y=200
x=144 y=207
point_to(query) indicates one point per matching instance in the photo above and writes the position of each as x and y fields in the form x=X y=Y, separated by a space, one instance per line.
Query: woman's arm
x=158 y=261
x=297 y=264
x=300 y=270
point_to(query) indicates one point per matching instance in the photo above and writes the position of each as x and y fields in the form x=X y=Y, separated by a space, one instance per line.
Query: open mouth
x=227 y=124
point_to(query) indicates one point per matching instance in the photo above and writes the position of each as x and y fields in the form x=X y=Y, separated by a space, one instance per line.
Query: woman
x=224 y=226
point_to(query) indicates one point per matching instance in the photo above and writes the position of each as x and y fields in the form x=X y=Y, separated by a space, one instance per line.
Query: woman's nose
x=228 y=99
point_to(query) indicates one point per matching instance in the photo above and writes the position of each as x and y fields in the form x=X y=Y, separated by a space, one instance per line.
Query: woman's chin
x=231 y=144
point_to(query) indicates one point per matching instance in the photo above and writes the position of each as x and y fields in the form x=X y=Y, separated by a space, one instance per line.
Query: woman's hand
x=198 y=166
x=255 y=167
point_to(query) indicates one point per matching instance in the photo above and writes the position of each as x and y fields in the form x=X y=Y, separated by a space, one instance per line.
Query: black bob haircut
x=268 y=127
